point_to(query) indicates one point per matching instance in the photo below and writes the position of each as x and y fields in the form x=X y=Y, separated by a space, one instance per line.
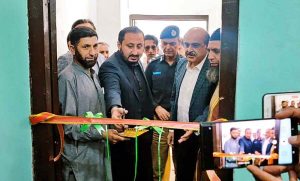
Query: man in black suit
x=126 y=87
x=190 y=98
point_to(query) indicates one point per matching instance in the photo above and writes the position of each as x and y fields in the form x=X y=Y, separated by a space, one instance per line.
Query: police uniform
x=160 y=76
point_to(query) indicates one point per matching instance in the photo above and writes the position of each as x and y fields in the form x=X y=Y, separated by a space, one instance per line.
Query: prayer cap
x=216 y=35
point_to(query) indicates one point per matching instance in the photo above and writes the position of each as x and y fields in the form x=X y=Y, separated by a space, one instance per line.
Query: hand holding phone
x=273 y=172
x=236 y=144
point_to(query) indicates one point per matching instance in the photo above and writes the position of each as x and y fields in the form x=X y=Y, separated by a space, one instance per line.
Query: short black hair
x=81 y=32
x=82 y=21
x=130 y=29
x=233 y=128
x=78 y=22
x=151 y=37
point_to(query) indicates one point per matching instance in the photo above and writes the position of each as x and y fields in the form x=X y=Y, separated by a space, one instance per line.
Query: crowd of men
x=168 y=87
x=285 y=104
x=172 y=86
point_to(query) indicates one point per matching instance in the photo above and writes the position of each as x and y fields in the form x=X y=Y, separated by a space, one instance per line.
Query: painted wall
x=213 y=8
x=15 y=132
x=67 y=12
x=269 y=44
x=110 y=17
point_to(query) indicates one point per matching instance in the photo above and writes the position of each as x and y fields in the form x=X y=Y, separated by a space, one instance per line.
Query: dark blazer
x=202 y=93
x=119 y=88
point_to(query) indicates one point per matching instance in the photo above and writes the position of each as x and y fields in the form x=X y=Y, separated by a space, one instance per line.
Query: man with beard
x=246 y=144
x=66 y=59
x=126 y=87
x=160 y=75
x=80 y=92
x=232 y=146
x=214 y=56
x=190 y=96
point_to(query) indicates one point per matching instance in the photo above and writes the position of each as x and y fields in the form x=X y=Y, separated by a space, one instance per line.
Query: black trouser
x=185 y=155
x=123 y=159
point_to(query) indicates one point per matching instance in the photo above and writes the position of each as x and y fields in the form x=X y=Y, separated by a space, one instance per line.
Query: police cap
x=170 y=32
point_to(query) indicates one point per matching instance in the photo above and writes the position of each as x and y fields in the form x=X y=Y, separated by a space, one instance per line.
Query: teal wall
x=15 y=132
x=269 y=55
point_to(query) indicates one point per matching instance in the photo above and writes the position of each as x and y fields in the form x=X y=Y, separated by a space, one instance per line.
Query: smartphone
x=276 y=102
x=236 y=144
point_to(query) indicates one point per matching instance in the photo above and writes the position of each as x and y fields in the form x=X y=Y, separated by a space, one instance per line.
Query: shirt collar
x=88 y=72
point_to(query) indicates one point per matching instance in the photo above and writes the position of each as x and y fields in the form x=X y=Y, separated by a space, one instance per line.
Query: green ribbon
x=136 y=153
x=159 y=130
x=85 y=127
x=99 y=128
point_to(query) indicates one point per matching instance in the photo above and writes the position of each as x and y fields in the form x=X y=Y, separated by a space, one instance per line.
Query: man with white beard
x=213 y=73
x=214 y=56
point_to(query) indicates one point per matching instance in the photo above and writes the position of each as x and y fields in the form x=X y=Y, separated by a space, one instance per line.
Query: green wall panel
x=268 y=59
x=15 y=132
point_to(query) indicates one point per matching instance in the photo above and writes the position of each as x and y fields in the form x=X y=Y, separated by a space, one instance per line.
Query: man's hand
x=113 y=136
x=186 y=136
x=118 y=113
x=171 y=138
x=274 y=172
x=162 y=113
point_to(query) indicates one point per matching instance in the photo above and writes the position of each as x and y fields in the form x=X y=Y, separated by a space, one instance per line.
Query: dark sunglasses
x=103 y=52
x=193 y=45
x=153 y=47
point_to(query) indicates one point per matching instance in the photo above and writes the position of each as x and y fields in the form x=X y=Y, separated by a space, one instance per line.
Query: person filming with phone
x=274 y=172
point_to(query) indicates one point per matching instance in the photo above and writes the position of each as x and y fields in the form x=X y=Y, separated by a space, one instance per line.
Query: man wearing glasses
x=160 y=75
x=151 y=49
x=190 y=98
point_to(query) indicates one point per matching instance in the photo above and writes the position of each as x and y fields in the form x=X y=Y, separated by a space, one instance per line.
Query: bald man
x=190 y=97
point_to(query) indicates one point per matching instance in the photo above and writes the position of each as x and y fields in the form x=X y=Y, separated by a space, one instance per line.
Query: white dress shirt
x=186 y=91
x=265 y=145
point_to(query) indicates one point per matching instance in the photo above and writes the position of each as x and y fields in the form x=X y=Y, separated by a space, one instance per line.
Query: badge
x=173 y=33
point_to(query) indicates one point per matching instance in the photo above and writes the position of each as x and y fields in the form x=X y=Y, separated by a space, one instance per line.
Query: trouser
x=164 y=148
x=123 y=159
x=185 y=155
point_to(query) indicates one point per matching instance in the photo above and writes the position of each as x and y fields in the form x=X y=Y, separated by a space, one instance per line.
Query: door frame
x=44 y=87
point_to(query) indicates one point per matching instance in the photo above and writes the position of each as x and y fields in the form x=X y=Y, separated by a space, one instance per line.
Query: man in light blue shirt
x=232 y=146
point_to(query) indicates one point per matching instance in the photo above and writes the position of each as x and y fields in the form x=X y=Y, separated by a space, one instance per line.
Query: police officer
x=160 y=75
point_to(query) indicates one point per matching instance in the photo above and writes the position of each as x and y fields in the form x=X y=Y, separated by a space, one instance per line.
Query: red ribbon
x=49 y=118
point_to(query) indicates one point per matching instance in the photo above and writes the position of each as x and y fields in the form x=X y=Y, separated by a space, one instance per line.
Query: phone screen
x=240 y=143
x=276 y=102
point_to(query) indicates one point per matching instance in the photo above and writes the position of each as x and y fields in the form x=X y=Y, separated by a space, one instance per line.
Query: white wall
x=212 y=8
x=111 y=16
x=109 y=22
x=68 y=11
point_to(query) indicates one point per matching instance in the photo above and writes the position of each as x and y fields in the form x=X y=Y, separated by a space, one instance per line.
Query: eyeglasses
x=103 y=52
x=193 y=45
x=147 y=48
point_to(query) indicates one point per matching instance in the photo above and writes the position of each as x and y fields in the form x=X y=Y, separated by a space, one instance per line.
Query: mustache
x=191 y=53
x=134 y=56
